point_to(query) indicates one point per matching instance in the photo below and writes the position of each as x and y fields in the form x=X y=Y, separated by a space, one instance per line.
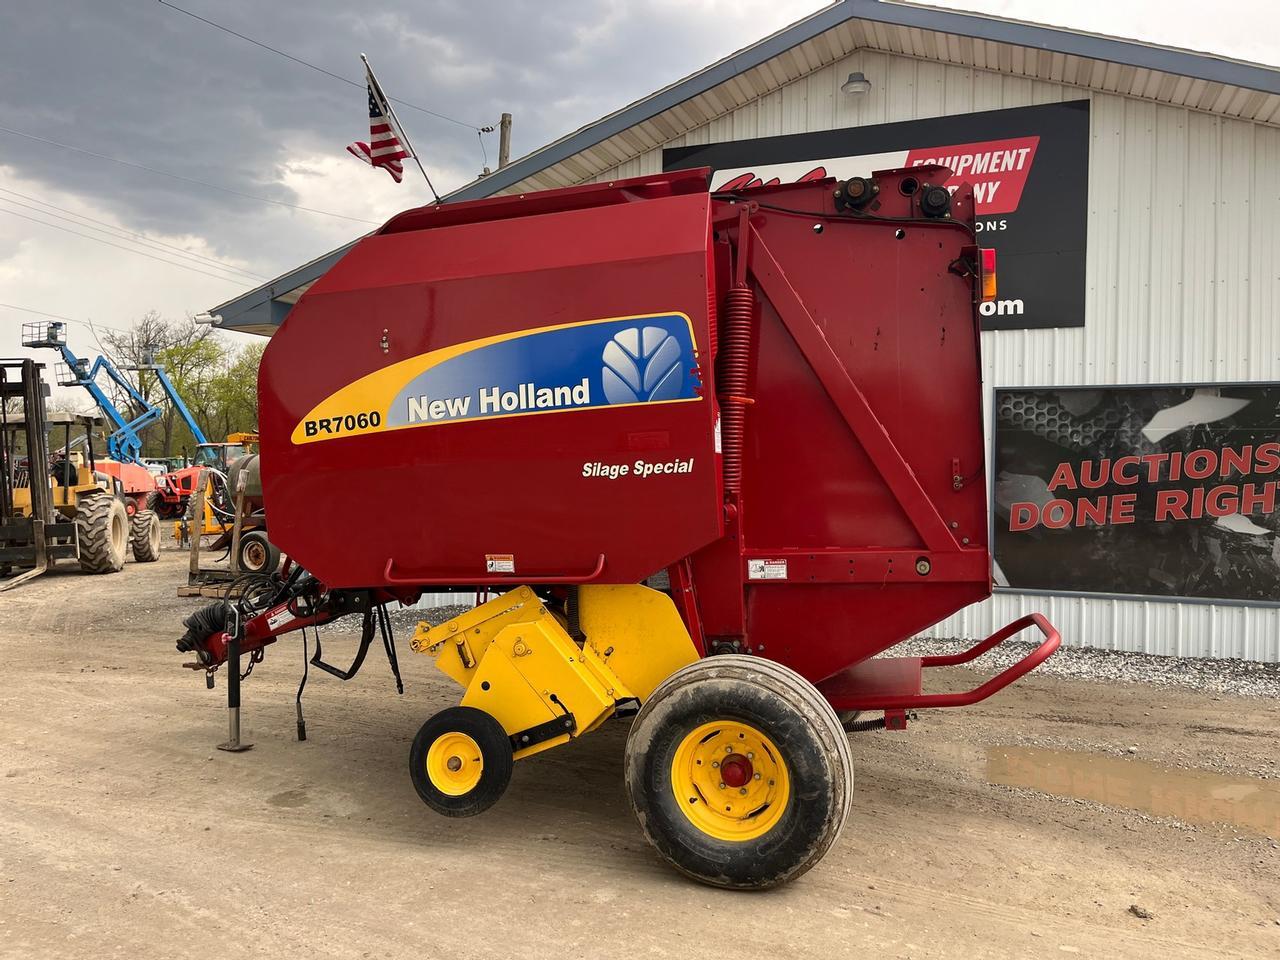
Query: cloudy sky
x=139 y=82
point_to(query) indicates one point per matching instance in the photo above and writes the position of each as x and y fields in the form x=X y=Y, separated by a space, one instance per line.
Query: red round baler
x=713 y=452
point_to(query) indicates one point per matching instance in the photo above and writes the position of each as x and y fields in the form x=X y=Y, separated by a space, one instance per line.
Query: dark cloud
x=139 y=81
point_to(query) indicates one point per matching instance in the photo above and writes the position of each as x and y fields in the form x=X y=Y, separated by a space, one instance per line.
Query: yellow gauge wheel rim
x=730 y=780
x=454 y=764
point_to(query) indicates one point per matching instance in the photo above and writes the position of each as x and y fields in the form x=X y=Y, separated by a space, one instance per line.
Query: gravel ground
x=1238 y=677
x=404 y=619
x=123 y=831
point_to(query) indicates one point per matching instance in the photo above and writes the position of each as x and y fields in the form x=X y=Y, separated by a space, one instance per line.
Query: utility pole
x=504 y=141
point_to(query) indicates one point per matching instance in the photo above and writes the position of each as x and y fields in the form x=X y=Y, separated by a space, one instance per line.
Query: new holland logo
x=573 y=366
x=641 y=365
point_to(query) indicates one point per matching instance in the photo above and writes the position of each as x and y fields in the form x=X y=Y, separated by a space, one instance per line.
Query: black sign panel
x=1029 y=167
x=1159 y=491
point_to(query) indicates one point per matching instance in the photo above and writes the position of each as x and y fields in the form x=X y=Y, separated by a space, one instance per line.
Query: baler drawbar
x=714 y=452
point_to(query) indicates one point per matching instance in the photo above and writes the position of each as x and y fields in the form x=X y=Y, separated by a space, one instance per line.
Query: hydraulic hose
x=201 y=625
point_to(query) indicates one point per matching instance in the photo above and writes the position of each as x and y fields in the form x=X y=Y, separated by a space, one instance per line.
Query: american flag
x=384 y=148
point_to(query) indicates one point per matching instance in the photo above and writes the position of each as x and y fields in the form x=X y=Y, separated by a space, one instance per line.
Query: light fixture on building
x=856 y=85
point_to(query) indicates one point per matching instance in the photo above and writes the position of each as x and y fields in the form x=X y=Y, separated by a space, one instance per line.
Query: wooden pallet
x=213 y=591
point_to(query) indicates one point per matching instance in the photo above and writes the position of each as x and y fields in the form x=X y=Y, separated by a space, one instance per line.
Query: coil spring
x=735 y=359
x=713 y=333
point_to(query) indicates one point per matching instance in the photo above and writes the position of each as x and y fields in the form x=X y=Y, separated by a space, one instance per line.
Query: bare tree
x=183 y=347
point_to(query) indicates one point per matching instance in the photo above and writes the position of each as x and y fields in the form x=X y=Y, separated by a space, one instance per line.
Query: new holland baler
x=713 y=452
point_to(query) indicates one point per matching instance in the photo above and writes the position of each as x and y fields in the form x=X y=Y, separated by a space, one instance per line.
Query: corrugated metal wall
x=429 y=600
x=1183 y=284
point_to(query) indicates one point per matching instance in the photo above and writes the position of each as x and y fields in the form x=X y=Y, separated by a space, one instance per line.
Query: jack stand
x=233 y=744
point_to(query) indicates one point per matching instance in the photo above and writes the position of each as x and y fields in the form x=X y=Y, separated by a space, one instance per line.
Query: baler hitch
x=259 y=610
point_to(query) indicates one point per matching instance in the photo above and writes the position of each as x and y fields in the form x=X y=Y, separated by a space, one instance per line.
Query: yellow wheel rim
x=730 y=780
x=454 y=764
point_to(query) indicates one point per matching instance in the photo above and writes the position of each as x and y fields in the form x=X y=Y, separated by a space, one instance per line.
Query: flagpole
x=386 y=105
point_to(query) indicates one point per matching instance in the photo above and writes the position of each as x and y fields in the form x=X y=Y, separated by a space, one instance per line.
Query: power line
x=42 y=313
x=105 y=227
x=58 y=316
x=141 y=253
x=141 y=237
x=327 y=73
x=246 y=278
x=149 y=256
x=177 y=176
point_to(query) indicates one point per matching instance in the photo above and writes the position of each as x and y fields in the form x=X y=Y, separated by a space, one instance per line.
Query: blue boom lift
x=125 y=442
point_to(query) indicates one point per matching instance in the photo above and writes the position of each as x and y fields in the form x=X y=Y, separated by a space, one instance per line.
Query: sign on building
x=1168 y=491
x=1029 y=170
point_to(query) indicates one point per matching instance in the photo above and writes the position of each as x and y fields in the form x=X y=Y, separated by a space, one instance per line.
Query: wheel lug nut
x=750 y=755
x=771 y=783
x=728 y=749
x=758 y=777
x=715 y=763
x=743 y=791
x=721 y=784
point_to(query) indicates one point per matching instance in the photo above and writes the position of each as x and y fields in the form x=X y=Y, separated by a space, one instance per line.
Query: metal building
x=1175 y=282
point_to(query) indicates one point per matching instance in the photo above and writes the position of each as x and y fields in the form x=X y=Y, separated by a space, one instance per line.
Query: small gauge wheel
x=461 y=762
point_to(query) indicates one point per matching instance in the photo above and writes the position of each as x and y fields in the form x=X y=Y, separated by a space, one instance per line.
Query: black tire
x=257 y=554
x=492 y=753
x=103 y=528
x=815 y=761
x=144 y=536
x=152 y=502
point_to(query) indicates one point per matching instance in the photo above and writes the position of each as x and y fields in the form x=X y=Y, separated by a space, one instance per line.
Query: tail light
x=987 y=260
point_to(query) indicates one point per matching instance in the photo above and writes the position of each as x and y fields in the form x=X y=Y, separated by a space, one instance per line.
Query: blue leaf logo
x=642 y=365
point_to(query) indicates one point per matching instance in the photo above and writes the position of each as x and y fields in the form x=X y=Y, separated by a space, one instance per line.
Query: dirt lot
x=123 y=831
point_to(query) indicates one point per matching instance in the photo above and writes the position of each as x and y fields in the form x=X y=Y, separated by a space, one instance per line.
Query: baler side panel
x=438 y=499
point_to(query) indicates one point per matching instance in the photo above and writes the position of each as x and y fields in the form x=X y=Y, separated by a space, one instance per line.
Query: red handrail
x=997 y=638
x=969 y=697
x=511 y=578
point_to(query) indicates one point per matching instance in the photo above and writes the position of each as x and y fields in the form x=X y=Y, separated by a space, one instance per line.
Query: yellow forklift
x=58 y=505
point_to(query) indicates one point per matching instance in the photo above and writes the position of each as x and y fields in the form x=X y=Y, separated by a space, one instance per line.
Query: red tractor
x=175 y=489
x=137 y=483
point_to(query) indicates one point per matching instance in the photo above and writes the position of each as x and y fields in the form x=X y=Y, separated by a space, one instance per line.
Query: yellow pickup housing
x=519 y=664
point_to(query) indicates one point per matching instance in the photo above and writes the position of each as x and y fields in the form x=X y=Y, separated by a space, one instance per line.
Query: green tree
x=217 y=380
x=236 y=391
x=194 y=368
x=180 y=346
